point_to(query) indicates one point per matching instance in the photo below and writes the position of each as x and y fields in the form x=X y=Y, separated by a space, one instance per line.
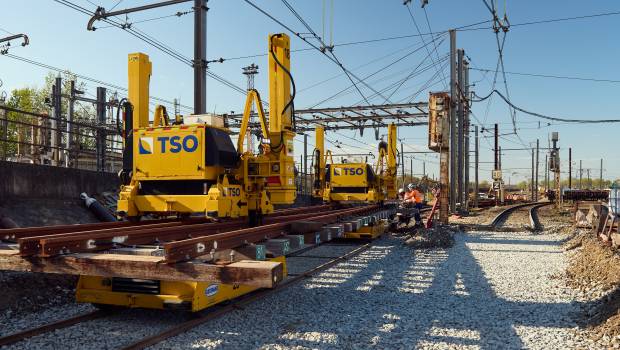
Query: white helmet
x=401 y=190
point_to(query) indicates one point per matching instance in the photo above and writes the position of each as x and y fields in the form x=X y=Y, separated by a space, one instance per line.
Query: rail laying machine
x=355 y=182
x=175 y=168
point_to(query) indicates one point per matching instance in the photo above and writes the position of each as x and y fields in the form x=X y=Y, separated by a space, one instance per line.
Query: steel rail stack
x=225 y=252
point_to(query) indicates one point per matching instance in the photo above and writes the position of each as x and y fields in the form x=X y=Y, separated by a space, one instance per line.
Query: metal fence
x=38 y=138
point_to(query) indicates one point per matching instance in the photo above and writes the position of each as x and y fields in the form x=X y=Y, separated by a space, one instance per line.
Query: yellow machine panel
x=173 y=295
x=169 y=152
x=349 y=175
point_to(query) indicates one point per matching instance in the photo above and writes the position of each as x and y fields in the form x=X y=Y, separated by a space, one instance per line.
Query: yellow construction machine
x=355 y=182
x=193 y=167
x=175 y=168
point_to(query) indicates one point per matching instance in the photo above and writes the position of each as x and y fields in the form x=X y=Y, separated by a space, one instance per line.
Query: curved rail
x=534 y=221
x=503 y=215
x=500 y=219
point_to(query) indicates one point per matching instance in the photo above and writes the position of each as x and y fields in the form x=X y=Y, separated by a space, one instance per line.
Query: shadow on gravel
x=389 y=297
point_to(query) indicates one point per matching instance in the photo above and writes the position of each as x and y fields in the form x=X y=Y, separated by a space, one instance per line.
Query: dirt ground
x=480 y=216
x=595 y=270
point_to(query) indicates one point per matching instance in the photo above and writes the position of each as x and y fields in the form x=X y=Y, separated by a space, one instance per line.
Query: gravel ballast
x=490 y=290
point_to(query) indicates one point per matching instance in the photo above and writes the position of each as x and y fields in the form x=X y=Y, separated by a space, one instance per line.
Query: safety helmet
x=410 y=187
x=401 y=190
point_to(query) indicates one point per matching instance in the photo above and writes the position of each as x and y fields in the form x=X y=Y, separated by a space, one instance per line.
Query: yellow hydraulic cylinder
x=390 y=179
x=139 y=76
x=319 y=161
x=279 y=84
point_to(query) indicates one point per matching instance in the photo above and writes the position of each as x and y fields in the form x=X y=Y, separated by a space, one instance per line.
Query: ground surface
x=489 y=290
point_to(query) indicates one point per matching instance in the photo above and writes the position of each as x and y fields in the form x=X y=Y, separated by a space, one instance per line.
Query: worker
x=415 y=197
x=401 y=193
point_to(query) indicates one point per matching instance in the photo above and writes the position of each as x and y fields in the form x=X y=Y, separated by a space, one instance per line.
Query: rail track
x=503 y=216
x=208 y=314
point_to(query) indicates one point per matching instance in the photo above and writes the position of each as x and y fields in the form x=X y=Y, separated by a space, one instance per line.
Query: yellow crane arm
x=253 y=97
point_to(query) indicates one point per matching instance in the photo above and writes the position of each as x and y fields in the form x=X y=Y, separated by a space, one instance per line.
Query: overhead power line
x=553 y=76
x=547 y=117
x=86 y=78
x=331 y=58
x=155 y=43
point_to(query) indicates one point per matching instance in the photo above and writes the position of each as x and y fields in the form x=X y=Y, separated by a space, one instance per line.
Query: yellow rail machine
x=355 y=182
x=181 y=169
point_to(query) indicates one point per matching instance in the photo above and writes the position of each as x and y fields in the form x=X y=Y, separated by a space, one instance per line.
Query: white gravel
x=491 y=290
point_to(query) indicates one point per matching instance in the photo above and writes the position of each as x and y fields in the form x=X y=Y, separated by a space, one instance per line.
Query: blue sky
x=581 y=48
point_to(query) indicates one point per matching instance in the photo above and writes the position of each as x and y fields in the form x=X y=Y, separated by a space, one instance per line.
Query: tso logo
x=348 y=171
x=211 y=290
x=172 y=144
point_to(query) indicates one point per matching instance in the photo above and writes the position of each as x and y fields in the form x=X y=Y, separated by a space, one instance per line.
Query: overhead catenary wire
x=84 y=77
x=332 y=58
x=415 y=23
x=371 y=75
x=553 y=76
x=156 y=44
x=547 y=117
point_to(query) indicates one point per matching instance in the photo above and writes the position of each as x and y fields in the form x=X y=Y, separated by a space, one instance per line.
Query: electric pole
x=536 y=178
x=459 y=129
x=476 y=160
x=532 y=180
x=402 y=162
x=453 y=124
x=600 y=184
x=580 y=175
x=570 y=167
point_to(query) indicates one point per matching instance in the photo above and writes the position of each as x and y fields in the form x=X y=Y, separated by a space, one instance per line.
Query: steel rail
x=15 y=233
x=534 y=221
x=17 y=337
x=85 y=241
x=500 y=219
x=185 y=326
x=191 y=248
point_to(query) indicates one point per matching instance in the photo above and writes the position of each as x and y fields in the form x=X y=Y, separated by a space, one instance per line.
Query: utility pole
x=424 y=168
x=496 y=165
x=402 y=162
x=600 y=184
x=536 y=178
x=546 y=173
x=555 y=166
x=476 y=160
x=532 y=180
x=305 y=177
x=101 y=131
x=460 y=139
x=70 y=119
x=411 y=165
x=200 y=56
x=199 y=63
x=466 y=132
x=570 y=167
x=580 y=174
x=55 y=120
x=3 y=125
x=589 y=180
x=453 y=108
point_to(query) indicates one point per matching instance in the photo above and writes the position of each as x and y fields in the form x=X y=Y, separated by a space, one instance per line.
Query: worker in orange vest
x=414 y=197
